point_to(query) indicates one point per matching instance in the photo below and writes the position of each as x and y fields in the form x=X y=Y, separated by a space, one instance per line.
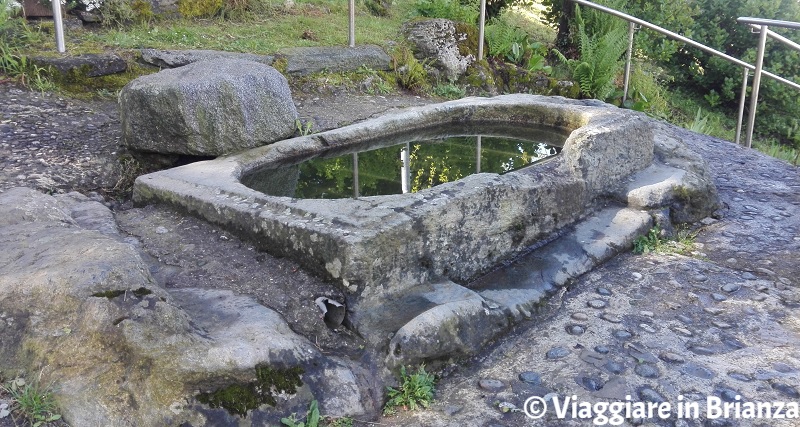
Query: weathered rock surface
x=89 y=65
x=438 y=40
x=119 y=349
x=308 y=60
x=207 y=108
x=179 y=58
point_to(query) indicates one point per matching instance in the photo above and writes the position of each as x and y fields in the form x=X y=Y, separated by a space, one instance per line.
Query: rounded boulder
x=207 y=108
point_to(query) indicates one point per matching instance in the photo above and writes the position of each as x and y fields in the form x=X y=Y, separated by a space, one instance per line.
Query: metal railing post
x=478 y=144
x=352 y=22
x=628 y=57
x=405 y=170
x=742 y=96
x=59 y=26
x=481 y=29
x=355 y=175
x=751 y=120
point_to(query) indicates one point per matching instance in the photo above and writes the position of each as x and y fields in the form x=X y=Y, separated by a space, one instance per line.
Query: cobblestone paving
x=719 y=326
x=57 y=145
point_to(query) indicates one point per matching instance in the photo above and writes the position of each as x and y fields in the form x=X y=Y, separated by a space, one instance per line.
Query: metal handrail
x=758 y=68
x=683 y=39
x=778 y=37
x=762 y=25
x=769 y=22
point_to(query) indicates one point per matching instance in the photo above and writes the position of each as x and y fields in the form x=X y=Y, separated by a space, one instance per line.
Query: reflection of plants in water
x=432 y=163
x=434 y=168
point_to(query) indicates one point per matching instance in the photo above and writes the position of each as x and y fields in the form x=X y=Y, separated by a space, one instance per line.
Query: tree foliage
x=713 y=23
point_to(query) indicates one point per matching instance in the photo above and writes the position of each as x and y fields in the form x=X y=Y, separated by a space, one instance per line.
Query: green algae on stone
x=240 y=398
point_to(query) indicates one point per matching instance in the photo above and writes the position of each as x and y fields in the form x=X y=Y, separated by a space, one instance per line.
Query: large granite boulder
x=207 y=108
x=439 y=41
x=80 y=308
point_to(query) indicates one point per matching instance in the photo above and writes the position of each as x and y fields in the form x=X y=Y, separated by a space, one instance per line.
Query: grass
x=32 y=402
x=327 y=21
x=779 y=151
x=415 y=390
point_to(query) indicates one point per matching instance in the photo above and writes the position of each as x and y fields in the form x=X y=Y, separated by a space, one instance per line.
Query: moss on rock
x=239 y=398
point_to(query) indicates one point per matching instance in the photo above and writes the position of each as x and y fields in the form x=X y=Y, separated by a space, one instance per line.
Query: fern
x=506 y=41
x=600 y=59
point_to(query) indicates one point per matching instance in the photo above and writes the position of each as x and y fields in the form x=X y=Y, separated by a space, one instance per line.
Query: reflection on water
x=404 y=167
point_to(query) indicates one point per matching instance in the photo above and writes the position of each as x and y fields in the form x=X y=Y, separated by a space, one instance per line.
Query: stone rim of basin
x=376 y=246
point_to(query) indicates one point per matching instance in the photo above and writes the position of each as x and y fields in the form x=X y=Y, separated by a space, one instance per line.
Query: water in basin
x=410 y=165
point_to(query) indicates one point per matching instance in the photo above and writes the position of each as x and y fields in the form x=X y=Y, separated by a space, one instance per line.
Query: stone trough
x=420 y=266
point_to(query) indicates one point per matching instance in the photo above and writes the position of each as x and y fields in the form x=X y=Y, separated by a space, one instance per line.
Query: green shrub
x=379 y=7
x=506 y=41
x=415 y=390
x=449 y=91
x=713 y=23
x=116 y=13
x=199 y=8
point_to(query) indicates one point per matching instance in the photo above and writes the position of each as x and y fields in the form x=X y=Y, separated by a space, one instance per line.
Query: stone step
x=519 y=287
x=444 y=319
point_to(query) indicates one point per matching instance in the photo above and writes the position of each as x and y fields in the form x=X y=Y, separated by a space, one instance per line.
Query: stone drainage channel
x=421 y=270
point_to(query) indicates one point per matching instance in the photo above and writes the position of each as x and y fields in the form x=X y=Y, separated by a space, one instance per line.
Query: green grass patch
x=32 y=402
x=779 y=151
x=306 y=24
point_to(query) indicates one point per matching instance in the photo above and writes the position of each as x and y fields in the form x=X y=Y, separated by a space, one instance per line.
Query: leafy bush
x=415 y=390
x=512 y=44
x=448 y=9
x=506 y=41
x=713 y=23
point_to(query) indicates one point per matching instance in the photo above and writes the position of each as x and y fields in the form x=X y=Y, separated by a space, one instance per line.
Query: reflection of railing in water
x=540 y=153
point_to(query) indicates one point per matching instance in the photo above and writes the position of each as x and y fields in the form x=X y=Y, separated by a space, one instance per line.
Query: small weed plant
x=312 y=417
x=449 y=91
x=303 y=129
x=32 y=402
x=409 y=72
x=415 y=390
x=655 y=241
